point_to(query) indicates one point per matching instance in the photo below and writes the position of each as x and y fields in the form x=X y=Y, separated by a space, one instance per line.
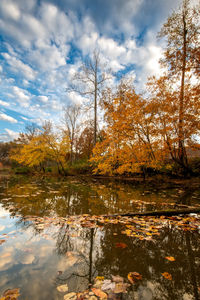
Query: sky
x=43 y=42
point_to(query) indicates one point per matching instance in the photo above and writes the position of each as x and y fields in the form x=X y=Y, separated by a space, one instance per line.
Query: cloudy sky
x=42 y=43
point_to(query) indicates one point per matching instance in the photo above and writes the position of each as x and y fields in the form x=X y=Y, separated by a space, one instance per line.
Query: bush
x=79 y=167
x=194 y=165
x=22 y=170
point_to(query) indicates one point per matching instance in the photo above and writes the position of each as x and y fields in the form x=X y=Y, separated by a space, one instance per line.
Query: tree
x=85 y=142
x=88 y=81
x=182 y=59
x=71 y=115
x=130 y=143
x=164 y=98
x=41 y=149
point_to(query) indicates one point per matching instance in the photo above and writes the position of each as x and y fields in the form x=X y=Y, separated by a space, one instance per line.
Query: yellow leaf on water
x=170 y=258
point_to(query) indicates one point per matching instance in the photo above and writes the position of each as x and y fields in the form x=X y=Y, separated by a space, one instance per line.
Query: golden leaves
x=11 y=294
x=133 y=277
x=170 y=258
x=62 y=288
x=167 y=275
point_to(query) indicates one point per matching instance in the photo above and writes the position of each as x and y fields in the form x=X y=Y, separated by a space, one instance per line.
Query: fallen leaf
x=117 y=278
x=99 y=293
x=170 y=258
x=108 y=285
x=121 y=287
x=99 y=278
x=121 y=245
x=133 y=277
x=62 y=288
x=70 y=296
x=11 y=294
x=167 y=275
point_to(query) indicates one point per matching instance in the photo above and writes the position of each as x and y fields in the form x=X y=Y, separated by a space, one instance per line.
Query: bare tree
x=88 y=81
x=71 y=115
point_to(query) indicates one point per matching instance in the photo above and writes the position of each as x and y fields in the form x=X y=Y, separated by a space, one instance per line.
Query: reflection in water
x=37 y=258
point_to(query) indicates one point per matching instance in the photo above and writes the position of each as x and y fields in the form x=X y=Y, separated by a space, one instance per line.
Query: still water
x=51 y=235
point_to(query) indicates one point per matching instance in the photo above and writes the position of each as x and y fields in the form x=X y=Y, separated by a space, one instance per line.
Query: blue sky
x=42 y=44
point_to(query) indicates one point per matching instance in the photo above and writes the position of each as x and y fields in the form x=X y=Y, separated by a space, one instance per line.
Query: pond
x=57 y=242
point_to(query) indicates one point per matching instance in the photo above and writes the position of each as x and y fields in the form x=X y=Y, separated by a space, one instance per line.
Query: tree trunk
x=95 y=106
x=181 y=147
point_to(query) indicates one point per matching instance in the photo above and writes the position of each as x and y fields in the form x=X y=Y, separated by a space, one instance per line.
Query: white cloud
x=152 y=65
x=43 y=99
x=76 y=98
x=12 y=134
x=18 y=66
x=10 y=9
x=7 y=118
x=22 y=96
x=58 y=24
x=48 y=57
x=3 y=103
x=110 y=48
x=24 y=118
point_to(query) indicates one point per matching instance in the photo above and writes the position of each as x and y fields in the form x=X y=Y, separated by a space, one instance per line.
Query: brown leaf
x=99 y=293
x=167 y=275
x=121 y=245
x=121 y=287
x=170 y=258
x=2 y=241
x=133 y=277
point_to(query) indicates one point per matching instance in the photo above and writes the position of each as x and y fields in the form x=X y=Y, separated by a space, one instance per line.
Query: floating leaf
x=70 y=296
x=99 y=278
x=108 y=285
x=11 y=294
x=133 y=277
x=117 y=278
x=170 y=258
x=62 y=288
x=99 y=293
x=121 y=287
x=121 y=245
x=167 y=275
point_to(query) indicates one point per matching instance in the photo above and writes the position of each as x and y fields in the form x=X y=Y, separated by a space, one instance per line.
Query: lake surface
x=53 y=233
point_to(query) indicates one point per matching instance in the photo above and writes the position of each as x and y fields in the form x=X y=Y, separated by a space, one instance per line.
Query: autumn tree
x=182 y=60
x=88 y=82
x=164 y=98
x=129 y=144
x=42 y=148
x=85 y=142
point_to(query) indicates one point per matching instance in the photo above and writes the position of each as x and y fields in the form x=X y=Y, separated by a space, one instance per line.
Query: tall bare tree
x=88 y=81
x=71 y=115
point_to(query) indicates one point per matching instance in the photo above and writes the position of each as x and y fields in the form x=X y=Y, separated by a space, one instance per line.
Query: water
x=46 y=242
